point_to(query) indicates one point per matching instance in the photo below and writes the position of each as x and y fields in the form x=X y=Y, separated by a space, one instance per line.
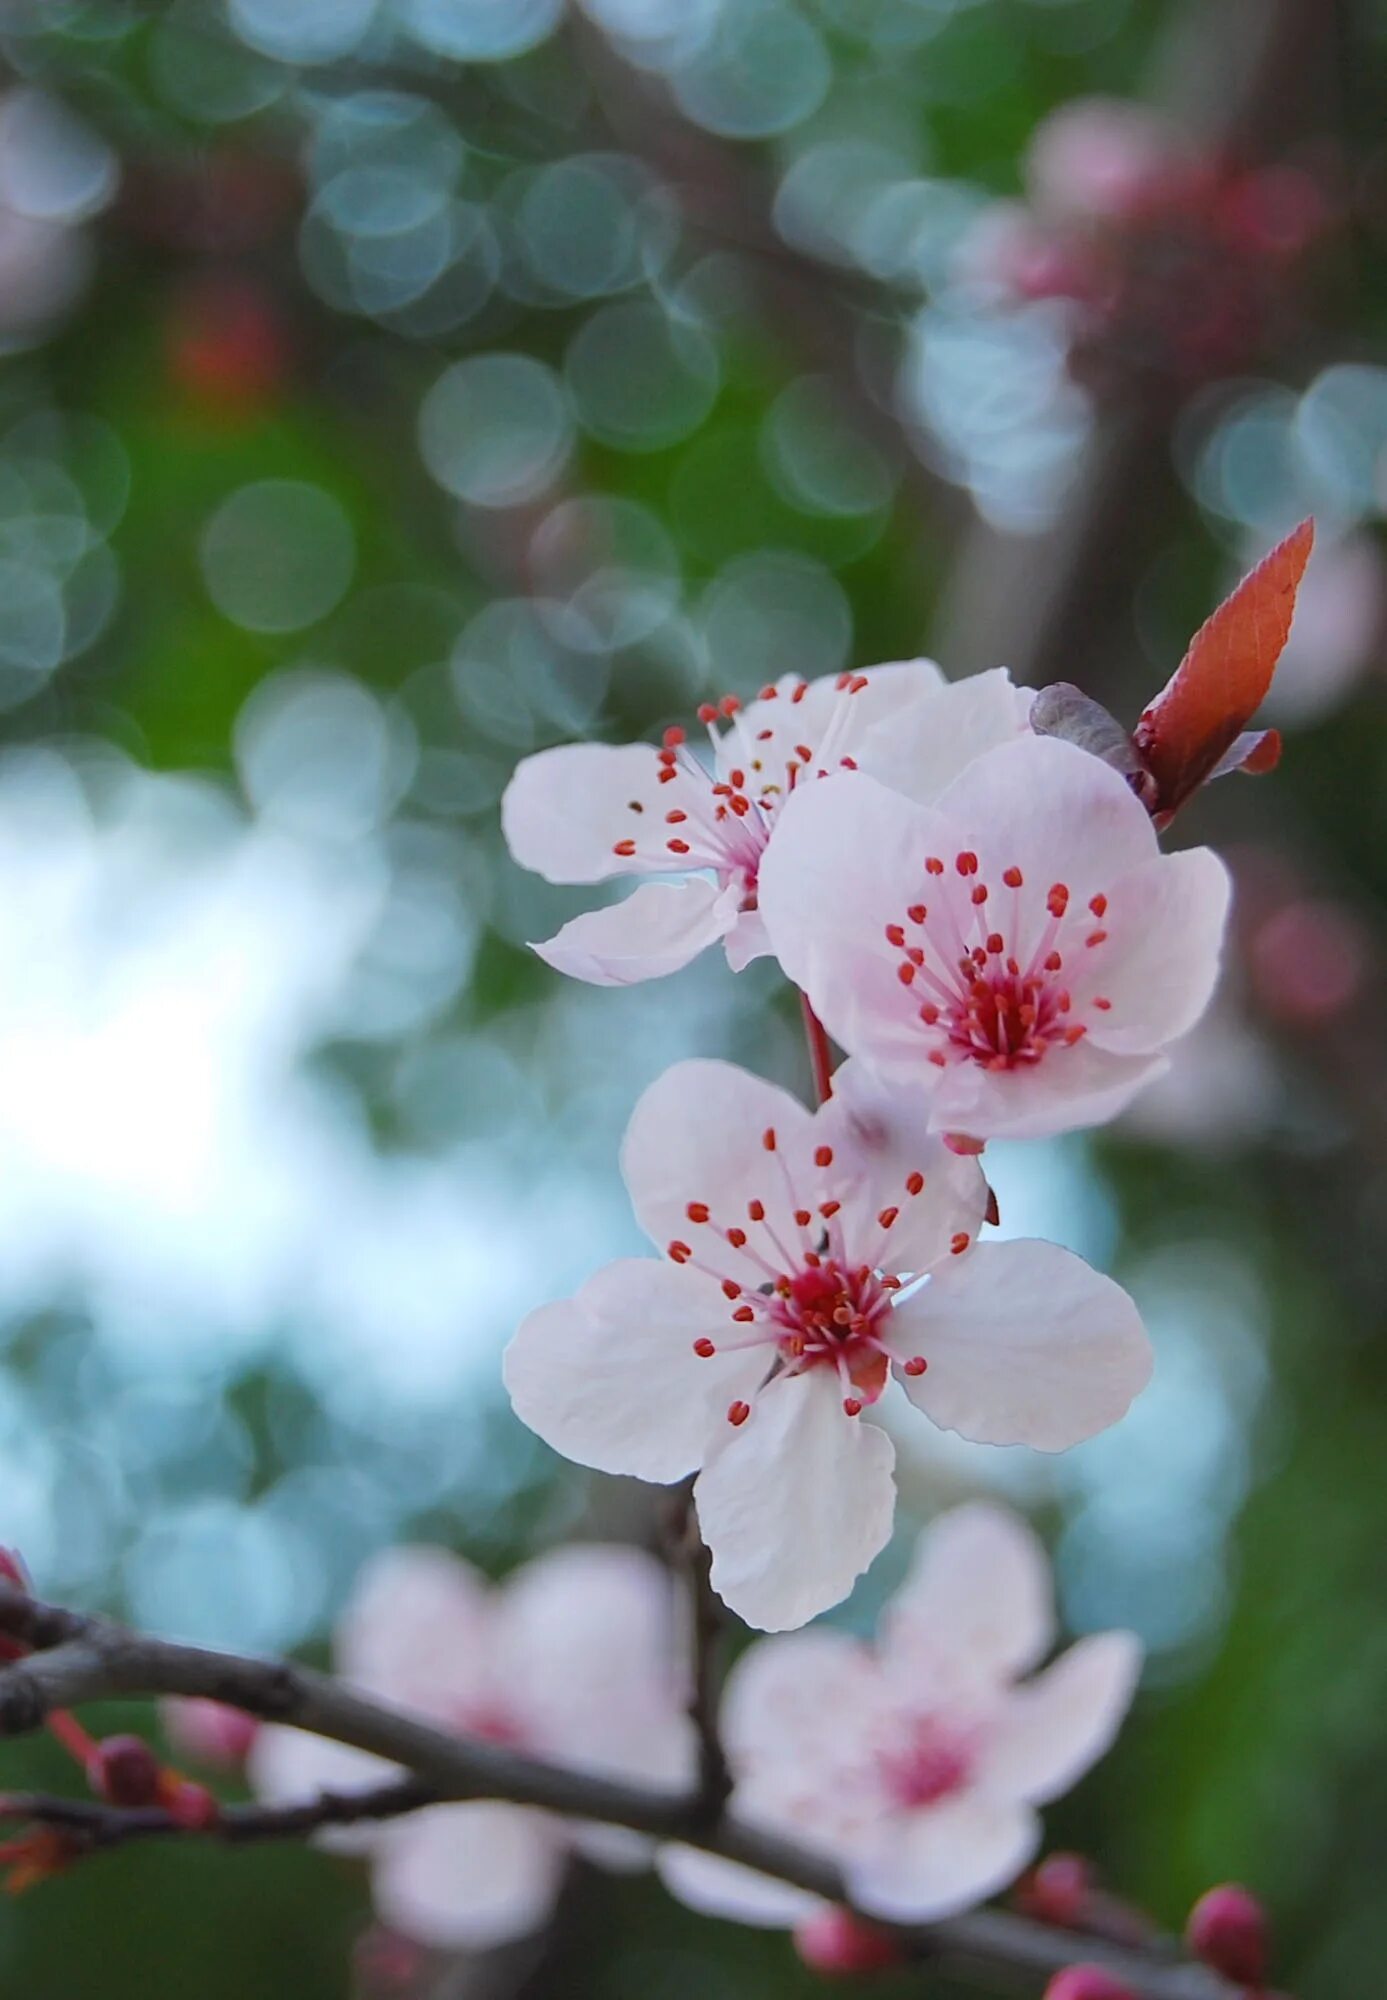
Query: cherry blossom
x=1022 y=950
x=585 y=812
x=572 y=1658
x=916 y=1764
x=781 y=1311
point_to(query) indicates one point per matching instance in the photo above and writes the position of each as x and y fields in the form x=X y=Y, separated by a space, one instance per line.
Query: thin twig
x=79 y=1659
x=707 y=1645
x=94 y=1825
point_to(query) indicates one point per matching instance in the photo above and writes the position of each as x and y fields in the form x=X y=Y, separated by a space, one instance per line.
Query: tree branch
x=94 y=1825
x=78 y=1659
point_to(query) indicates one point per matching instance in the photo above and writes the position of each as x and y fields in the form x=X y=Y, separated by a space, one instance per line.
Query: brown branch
x=97 y=1826
x=79 y=1659
x=707 y=1641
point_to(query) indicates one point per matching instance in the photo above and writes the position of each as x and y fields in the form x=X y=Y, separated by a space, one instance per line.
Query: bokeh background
x=392 y=387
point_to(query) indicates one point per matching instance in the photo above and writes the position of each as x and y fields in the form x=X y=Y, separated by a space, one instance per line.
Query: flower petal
x=915 y=1867
x=1069 y=1088
x=1025 y=1345
x=781 y=1690
x=610 y=1379
x=469 y=1875
x=290 y=1766
x=1062 y=1722
x=881 y=1138
x=655 y=930
x=920 y=746
x=696 y=1136
x=565 y=810
x=725 y=1889
x=795 y=1503
x=1160 y=961
x=418 y=1631
x=978 y=1591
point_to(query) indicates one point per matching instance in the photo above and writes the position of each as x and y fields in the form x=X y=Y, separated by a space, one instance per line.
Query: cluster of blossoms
x=982 y=918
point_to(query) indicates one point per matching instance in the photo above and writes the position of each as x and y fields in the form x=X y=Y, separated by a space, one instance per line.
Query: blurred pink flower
x=208 y=1732
x=916 y=1764
x=588 y=811
x=1022 y=951
x=778 y=1319
x=572 y=1658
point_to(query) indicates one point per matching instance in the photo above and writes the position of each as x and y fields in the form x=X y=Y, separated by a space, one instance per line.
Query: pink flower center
x=490 y=1722
x=987 y=995
x=807 y=1300
x=930 y=1763
x=720 y=818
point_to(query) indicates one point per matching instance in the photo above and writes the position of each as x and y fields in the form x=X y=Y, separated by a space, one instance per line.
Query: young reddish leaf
x=1185 y=732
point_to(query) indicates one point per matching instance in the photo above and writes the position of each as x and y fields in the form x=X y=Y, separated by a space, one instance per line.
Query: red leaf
x=1224 y=675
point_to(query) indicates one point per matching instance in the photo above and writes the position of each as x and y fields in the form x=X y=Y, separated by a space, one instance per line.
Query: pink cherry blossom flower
x=1022 y=949
x=781 y=1312
x=587 y=811
x=573 y=1658
x=916 y=1764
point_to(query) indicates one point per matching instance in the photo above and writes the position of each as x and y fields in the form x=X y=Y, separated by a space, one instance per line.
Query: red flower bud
x=192 y=1806
x=1057 y=1891
x=833 y=1941
x=1228 y=1930
x=124 y=1771
x=1088 y=1982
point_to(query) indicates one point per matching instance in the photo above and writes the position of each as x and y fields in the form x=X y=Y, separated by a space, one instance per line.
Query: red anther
x=677 y=846
x=674 y=736
x=1103 y=1006
x=980 y=895
x=938 y=1058
x=1057 y=902
x=887 y=1216
x=803 y=1218
x=996 y=943
x=675 y=818
x=707 y=711
x=964 y=1144
x=895 y=935
x=1088 y=1982
x=804 y=753
x=918 y=912
x=933 y=865
x=1098 y=905
x=1074 y=1034
x=959 y=1243
x=916 y=1365
x=768 y=1138
x=741 y=805
x=1057 y=1891
x=737 y=1413
x=833 y=1941
x=993 y=1212
x=668 y=773
x=905 y=973
x=189 y=1805
x=745 y=1315
x=737 y=779
x=704 y=1347
x=729 y=704
x=731 y=1289
x=1012 y=877
x=823 y=1156
x=680 y=1252
x=764 y=735
x=967 y=862
x=828 y=1209
x=768 y=693
x=848 y=763
x=801 y=691
x=1228 y=1930
x=1095 y=937
x=697 y=1211
x=852 y=1407
x=756 y=1211
x=625 y=848
x=929 y=1013
x=1053 y=962
x=124 y=1771
x=915 y=1182
x=737 y=1238
x=915 y=955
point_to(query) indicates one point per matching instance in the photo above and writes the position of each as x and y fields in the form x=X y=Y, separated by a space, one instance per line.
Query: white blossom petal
x=610 y=1379
x=1069 y=1088
x=1058 y=1725
x=918 y=1866
x=657 y=929
x=469 y=1876
x=565 y=810
x=920 y=746
x=795 y=1503
x=719 y=1888
x=978 y=1593
x=781 y=1691
x=290 y=1767
x=880 y=1133
x=1025 y=1344
x=1165 y=925
x=418 y=1631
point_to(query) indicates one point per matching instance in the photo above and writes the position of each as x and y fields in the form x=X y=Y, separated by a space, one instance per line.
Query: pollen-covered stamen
x=990 y=972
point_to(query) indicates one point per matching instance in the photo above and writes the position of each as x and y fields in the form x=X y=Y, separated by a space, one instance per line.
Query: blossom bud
x=208 y=1732
x=1228 y=1930
x=191 y=1806
x=1088 y=1982
x=1057 y=1891
x=124 y=1771
x=833 y=1941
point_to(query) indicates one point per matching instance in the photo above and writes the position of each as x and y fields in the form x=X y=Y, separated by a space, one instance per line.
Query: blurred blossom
x=55 y=174
x=495 y=429
x=277 y=555
x=1222 y=1091
x=227 y=346
x=831 y=187
x=1308 y=961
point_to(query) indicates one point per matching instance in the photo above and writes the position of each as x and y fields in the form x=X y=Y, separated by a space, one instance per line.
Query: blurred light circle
x=1250 y=470
x=462 y=287
x=481 y=30
x=91 y=592
x=518 y=661
x=386 y=128
x=389 y=272
x=1341 y=430
x=53 y=168
x=817 y=460
x=639 y=380
x=577 y=226
x=33 y=631
x=277 y=555
x=657 y=34
x=378 y=201
x=314 y=753
x=89 y=453
x=824 y=195
x=202 y=69
x=610 y=563
x=764 y=70
x=495 y=429
x=775 y=613
x=302 y=31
